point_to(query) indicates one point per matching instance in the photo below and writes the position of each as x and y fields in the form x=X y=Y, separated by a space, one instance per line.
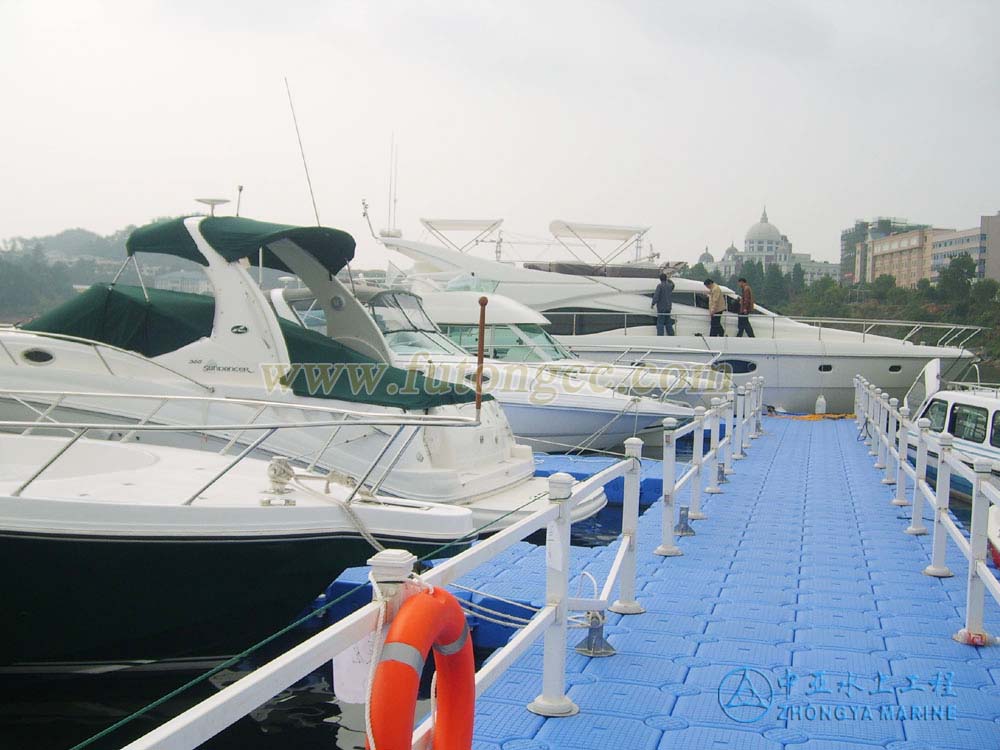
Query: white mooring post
x=730 y=429
x=553 y=700
x=697 y=461
x=626 y=603
x=741 y=401
x=866 y=411
x=758 y=418
x=916 y=526
x=974 y=633
x=857 y=400
x=668 y=547
x=890 y=475
x=939 y=547
x=904 y=457
x=714 y=466
x=881 y=455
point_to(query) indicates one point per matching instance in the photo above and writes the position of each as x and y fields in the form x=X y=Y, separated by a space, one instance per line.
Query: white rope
x=376 y=657
x=499 y=618
x=522 y=605
x=348 y=511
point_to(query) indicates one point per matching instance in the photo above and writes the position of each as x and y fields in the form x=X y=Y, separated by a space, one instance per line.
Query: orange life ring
x=428 y=619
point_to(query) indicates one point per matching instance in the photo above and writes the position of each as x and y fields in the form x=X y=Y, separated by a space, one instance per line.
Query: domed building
x=706 y=258
x=766 y=244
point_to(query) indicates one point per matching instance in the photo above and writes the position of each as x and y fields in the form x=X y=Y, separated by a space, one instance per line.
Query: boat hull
x=90 y=599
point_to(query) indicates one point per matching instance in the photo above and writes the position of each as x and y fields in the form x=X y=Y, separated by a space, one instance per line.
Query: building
x=981 y=243
x=905 y=256
x=765 y=244
x=854 y=260
x=194 y=282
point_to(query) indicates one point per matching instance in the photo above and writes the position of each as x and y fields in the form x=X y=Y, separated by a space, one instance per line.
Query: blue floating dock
x=797 y=618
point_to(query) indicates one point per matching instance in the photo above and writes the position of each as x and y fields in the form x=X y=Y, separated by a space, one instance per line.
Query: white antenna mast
x=305 y=167
x=390 y=230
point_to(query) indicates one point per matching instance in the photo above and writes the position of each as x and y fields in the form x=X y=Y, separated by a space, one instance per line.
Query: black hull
x=68 y=599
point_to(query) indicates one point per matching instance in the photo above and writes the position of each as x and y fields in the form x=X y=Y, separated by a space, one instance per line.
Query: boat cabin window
x=510 y=343
x=825 y=368
x=937 y=413
x=735 y=366
x=995 y=430
x=406 y=326
x=310 y=314
x=574 y=321
x=968 y=422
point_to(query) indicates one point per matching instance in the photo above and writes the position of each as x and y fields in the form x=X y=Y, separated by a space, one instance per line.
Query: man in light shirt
x=716 y=306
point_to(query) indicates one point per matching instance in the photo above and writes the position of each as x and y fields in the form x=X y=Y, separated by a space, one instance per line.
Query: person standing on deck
x=716 y=306
x=746 y=307
x=663 y=304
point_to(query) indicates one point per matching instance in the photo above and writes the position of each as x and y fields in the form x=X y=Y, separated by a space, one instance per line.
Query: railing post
x=697 y=460
x=916 y=526
x=857 y=400
x=974 y=632
x=730 y=429
x=668 y=548
x=876 y=422
x=738 y=432
x=758 y=429
x=748 y=409
x=865 y=411
x=713 y=446
x=939 y=547
x=903 y=457
x=553 y=700
x=883 y=434
x=626 y=603
x=890 y=475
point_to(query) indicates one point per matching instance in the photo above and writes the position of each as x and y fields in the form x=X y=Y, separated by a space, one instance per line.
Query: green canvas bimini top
x=235 y=238
x=121 y=316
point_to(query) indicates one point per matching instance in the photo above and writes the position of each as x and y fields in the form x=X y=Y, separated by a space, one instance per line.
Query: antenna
x=212 y=203
x=239 y=197
x=391 y=231
x=302 y=151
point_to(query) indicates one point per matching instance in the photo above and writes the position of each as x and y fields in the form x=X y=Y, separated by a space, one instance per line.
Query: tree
x=698 y=272
x=797 y=284
x=882 y=285
x=775 y=289
x=955 y=282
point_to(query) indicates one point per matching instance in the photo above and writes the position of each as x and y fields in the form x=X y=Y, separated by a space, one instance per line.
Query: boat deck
x=797 y=617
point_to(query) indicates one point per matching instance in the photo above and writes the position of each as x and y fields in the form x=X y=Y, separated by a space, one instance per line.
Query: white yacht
x=549 y=407
x=139 y=341
x=121 y=551
x=607 y=315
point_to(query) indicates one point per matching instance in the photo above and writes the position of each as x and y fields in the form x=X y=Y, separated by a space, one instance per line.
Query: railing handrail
x=742 y=407
x=890 y=432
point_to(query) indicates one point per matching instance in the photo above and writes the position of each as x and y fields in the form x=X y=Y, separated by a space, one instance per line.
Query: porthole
x=37 y=356
x=735 y=366
x=825 y=368
x=895 y=368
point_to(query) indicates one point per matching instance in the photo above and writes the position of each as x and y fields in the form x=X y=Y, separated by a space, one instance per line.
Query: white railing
x=890 y=433
x=392 y=571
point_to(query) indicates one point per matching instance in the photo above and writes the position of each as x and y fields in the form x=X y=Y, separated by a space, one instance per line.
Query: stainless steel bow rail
x=43 y=403
x=890 y=432
x=392 y=571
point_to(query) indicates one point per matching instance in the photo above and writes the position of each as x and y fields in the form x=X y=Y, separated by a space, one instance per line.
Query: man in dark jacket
x=663 y=304
x=746 y=307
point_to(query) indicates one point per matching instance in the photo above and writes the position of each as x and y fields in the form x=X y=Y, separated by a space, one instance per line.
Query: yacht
x=608 y=316
x=550 y=407
x=136 y=341
x=122 y=551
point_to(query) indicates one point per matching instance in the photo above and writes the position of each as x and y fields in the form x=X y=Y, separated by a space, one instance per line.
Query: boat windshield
x=406 y=327
x=509 y=343
x=469 y=282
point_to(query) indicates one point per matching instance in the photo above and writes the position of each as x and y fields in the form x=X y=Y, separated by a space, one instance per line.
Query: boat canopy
x=120 y=316
x=235 y=238
x=579 y=230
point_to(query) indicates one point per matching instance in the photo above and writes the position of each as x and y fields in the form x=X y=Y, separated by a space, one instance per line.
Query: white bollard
x=904 y=457
x=758 y=429
x=716 y=462
x=738 y=432
x=553 y=701
x=874 y=424
x=697 y=461
x=916 y=527
x=748 y=410
x=668 y=547
x=938 y=568
x=974 y=633
x=626 y=603
x=883 y=433
x=890 y=475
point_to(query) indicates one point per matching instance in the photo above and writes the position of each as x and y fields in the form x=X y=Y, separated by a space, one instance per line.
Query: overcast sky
x=686 y=117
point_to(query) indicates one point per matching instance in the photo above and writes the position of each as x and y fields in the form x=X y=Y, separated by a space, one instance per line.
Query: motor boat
x=548 y=405
x=122 y=551
x=138 y=341
x=608 y=317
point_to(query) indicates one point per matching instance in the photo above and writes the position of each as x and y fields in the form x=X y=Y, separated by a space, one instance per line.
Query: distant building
x=905 y=256
x=981 y=243
x=854 y=242
x=765 y=244
x=194 y=282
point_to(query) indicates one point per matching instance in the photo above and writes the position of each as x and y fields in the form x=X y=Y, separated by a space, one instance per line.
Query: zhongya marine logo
x=745 y=695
